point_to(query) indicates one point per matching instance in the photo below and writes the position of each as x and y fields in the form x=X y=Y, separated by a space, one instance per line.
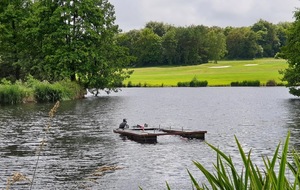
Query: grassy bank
x=35 y=91
x=220 y=74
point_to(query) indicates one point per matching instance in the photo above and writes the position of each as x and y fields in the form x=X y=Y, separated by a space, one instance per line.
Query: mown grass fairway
x=220 y=74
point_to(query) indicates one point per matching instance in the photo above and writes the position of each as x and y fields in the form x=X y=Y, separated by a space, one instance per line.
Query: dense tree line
x=58 y=39
x=163 y=44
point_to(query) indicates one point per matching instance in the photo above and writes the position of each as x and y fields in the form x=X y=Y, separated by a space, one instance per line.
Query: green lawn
x=220 y=74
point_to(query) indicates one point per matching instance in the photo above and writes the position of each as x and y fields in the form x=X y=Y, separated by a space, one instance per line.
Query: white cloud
x=134 y=14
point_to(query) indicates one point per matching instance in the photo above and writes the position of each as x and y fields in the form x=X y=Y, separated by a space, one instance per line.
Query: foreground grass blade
x=194 y=181
x=252 y=177
x=283 y=162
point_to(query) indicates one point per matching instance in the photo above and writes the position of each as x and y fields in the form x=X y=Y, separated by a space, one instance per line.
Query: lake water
x=81 y=142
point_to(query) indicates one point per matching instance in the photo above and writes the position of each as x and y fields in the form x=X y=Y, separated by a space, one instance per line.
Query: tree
x=158 y=28
x=169 y=44
x=12 y=37
x=216 y=44
x=148 y=48
x=241 y=44
x=267 y=37
x=291 y=53
x=76 y=40
x=129 y=40
x=192 y=45
x=282 y=31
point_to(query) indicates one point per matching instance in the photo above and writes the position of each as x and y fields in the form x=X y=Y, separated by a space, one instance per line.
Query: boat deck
x=149 y=135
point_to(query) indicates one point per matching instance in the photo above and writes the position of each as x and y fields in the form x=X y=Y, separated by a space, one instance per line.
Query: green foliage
x=71 y=90
x=271 y=83
x=242 y=44
x=246 y=83
x=183 y=84
x=158 y=28
x=46 y=92
x=267 y=37
x=12 y=94
x=12 y=36
x=35 y=91
x=148 y=48
x=291 y=53
x=216 y=45
x=4 y=81
x=196 y=83
x=72 y=40
x=193 y=83
x=129 y=84
x=272 y=176
x=63 y=90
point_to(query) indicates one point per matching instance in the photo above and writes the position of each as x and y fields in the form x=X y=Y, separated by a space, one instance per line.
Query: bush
x=193 y=83
x=183 y=84
x=33 y=90
x=271 y=83
x=129 y=84
x=246 y=83
x=71 y=90
x=12 y=94
x=46 y=92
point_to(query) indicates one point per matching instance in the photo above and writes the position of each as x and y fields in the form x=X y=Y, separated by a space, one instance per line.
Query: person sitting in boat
x=124 y=124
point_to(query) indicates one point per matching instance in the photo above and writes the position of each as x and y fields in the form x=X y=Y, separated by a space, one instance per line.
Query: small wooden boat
x=149 y=135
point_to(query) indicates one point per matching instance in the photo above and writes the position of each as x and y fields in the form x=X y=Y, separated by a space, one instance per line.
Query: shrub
x=246 y=83
x=183 y=84
x=271 y=83
x=46 y=92
x=129 y=84
x=4 y=81
x=31 y=82
x=71 y=90
x=193 y=83
x=12 y=94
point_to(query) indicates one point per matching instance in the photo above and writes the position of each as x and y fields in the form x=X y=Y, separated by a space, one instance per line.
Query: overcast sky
x=134 y=14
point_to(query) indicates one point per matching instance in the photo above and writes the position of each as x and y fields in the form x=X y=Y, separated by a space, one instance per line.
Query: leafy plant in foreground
x=226 y=175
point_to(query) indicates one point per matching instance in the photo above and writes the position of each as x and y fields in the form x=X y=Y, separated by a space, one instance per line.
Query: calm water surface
x=81 y=141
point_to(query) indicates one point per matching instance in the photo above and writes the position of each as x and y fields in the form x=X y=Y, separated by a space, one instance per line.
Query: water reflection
x=293 y=121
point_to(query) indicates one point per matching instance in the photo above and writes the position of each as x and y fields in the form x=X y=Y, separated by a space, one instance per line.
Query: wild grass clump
x=193 y=83
x=246 y=83
x=46 y=92
x=71 y=90
x=12 y=94
x=33 y=90
x=272 y=176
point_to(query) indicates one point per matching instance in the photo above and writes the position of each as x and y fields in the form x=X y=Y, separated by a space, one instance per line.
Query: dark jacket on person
x=123 y=125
